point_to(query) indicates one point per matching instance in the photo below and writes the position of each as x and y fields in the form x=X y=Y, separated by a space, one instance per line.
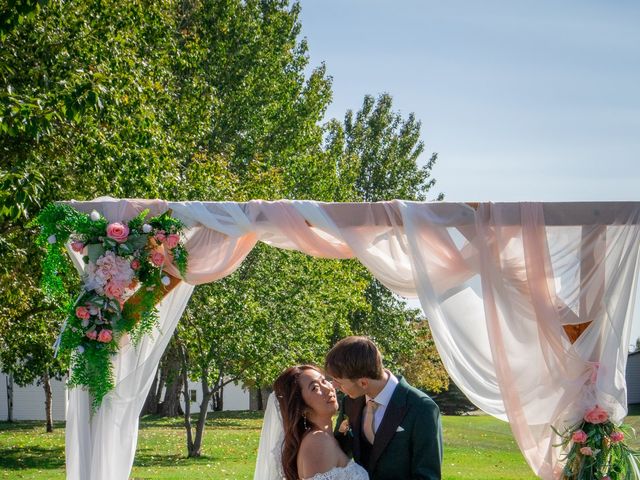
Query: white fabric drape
x=496 y=284
x=102 y=445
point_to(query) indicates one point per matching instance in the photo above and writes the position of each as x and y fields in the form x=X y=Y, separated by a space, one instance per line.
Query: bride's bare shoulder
x=319 y=453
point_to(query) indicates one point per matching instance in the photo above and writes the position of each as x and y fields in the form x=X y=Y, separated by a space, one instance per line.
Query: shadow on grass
x=214 y=419
x=23 y=425
x=150 y=458
x=43 y=458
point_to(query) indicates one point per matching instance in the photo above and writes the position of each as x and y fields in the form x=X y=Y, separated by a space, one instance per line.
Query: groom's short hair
x=355 y=357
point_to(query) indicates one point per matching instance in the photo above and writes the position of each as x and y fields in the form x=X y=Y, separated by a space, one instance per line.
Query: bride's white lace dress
x=352 y=471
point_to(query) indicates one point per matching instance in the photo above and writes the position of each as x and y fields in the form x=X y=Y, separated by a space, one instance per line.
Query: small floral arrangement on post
x=597 y=450
x=124 y=261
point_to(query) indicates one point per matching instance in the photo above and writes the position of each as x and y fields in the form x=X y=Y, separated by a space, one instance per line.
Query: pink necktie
x=369 y=421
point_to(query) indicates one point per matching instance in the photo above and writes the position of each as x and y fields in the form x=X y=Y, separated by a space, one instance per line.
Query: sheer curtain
x=496 y=283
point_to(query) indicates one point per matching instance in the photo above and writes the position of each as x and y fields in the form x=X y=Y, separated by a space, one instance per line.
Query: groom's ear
x=363 y=383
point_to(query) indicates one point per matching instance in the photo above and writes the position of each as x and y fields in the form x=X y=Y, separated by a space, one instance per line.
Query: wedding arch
x=530 y=304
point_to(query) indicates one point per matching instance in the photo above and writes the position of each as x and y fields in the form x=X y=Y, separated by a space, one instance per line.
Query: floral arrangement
x=597 y=450
x=122 y=282
x=345 y=427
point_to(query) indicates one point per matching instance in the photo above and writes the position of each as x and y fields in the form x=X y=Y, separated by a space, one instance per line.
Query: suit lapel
x=393 y=415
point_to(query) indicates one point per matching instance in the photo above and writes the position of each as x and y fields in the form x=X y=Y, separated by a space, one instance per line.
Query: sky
x=522 y=100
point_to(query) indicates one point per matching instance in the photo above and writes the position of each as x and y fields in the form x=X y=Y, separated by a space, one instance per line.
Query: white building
x=633 y=377
x=28 y=402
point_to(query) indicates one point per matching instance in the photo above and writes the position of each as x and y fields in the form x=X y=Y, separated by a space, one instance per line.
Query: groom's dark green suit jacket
x=408 y=442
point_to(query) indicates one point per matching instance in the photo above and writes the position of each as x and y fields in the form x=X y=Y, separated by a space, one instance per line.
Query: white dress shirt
x=383 y=398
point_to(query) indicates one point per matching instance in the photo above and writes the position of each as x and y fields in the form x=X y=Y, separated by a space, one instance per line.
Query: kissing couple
x=385 y=430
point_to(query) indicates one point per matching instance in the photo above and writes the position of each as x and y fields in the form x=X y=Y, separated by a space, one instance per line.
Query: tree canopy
x=199 y=100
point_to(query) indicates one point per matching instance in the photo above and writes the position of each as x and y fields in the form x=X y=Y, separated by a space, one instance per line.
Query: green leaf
x=95 y=251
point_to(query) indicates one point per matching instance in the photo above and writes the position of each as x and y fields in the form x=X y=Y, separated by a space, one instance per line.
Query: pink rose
x=606 y=477
x=105 y=336
x=113 y=290
x=579 y=436
x=77 y=246
x=586 y=451
x=160 y=236
x=596 y=415
x=92 y=335
x=82 y=313
x=118 y=232
x=157 y=258
x=617 y=437
x=135 y=264
x=173 y=240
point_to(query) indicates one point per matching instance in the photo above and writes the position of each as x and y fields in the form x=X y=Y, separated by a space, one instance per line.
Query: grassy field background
x=476 y=447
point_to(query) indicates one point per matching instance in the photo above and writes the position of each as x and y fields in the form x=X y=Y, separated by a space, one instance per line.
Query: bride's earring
x=304 y=420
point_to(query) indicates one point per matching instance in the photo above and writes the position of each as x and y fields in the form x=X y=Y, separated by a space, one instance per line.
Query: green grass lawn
x=476 y=447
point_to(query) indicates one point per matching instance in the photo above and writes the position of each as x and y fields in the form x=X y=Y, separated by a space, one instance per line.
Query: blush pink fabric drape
x=496 y=283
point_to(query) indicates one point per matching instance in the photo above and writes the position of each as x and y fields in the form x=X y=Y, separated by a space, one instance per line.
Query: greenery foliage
x=202 y=100
x=120 y=260
x=596 y=448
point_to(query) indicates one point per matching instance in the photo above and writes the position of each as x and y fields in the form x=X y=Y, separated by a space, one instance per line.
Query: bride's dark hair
x=292 y=407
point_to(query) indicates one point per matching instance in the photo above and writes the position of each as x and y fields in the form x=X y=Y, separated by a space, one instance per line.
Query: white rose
x=146 y=228
x=52 y=239
x=95 y=216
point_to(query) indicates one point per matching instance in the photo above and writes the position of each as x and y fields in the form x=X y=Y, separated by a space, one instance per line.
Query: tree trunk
x=217 y=399
x=170 y=406
x=259 y=405
x=187 y=403
x=195 y=448
x=9 y=382
x=150 y=404
x=171 y=378
x=46 y=383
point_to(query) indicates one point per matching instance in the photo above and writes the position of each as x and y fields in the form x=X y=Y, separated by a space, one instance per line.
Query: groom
x=391 y=428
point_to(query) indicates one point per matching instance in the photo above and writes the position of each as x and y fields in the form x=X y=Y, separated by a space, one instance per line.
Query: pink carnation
x=617 y=437
x=108 y=268
x=77 y=246
x=113 y=290
x=105 y=336
x=579 y=436
x=157 y=258
x=586 y=451
x=92 y=335
x=160 y=236
x=82 y=313
x=135 y=264
x=596 y=415
x=173 y=240
x=118 y=232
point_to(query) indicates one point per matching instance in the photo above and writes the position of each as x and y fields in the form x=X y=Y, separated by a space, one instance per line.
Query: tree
x=278 y=309
x=80 y=114
x=376 y=153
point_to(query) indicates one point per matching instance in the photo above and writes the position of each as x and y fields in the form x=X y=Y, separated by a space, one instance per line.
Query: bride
x=297 y=439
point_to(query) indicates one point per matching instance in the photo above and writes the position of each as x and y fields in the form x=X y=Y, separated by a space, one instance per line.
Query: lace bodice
x=352 y=471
